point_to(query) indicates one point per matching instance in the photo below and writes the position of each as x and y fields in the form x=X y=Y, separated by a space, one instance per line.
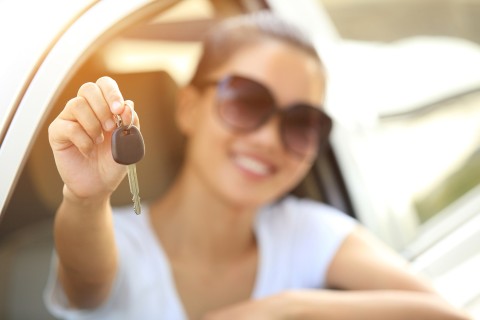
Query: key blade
x=137 y=207
x=132 y=173
x=128 y=148
x=134 y=189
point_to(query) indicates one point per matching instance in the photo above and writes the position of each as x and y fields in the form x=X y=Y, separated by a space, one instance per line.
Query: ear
x=187 y=109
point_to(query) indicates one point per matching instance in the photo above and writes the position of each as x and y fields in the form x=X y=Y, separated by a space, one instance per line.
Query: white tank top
x=297 y=240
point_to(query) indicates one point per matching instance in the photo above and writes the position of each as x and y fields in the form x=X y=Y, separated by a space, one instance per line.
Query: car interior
x=26 y=239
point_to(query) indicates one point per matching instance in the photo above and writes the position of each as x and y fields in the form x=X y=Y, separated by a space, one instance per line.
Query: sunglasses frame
x=275 y=110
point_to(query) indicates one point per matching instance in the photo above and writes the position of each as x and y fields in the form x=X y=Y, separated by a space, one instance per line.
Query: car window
x=149 y=60
x=149 y=57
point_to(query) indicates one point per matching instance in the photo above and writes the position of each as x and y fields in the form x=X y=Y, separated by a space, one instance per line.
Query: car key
x=128 y=148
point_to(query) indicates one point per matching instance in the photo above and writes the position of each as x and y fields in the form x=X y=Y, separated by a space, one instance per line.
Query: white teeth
x=252 y=165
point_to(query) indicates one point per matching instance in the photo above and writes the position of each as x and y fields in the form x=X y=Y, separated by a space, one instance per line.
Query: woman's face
x=254 y=168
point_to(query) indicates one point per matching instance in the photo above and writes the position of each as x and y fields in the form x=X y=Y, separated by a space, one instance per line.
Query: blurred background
x=391 y=20
x=419 y=113
x=415 y=136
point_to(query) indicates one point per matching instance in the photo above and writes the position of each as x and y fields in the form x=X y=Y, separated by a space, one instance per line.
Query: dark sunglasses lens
x=243 y=104
x=305 y=128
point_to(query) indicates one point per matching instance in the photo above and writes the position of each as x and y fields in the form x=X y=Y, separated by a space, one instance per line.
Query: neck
x=192 y=221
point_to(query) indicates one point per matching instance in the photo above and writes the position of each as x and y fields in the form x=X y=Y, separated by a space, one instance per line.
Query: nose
x=268 y=134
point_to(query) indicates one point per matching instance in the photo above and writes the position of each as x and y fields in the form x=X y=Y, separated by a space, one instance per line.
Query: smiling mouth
x=253 y=166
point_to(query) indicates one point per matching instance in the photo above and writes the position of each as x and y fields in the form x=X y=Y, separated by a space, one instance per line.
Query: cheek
x=213 y=133
x=209 y=138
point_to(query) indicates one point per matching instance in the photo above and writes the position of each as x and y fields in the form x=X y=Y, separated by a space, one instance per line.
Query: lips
x=253 y=165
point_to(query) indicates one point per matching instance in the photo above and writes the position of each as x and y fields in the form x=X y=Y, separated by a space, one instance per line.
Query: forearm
x=371 y=305
x=85 y=244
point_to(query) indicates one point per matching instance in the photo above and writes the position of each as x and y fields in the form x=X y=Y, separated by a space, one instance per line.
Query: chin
x=250 y=197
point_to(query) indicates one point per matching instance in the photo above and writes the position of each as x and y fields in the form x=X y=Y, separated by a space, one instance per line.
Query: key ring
x=118 y=119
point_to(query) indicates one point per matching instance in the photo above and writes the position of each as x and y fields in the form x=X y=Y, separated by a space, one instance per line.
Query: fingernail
x=99 y=139
x=109 y=124
x=116 y=105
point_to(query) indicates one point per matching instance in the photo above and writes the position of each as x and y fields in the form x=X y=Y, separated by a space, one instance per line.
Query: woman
x=224 y=242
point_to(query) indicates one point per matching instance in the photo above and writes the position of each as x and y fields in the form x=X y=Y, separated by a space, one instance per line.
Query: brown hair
x=225 y=38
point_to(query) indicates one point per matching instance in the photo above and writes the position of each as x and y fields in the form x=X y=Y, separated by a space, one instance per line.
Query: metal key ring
x=119 y=121
x=132 y=115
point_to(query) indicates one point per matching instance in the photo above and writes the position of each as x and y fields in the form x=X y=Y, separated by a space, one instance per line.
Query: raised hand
x=80 y=138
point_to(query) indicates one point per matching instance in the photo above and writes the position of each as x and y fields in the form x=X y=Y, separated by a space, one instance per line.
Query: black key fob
x=127 y=145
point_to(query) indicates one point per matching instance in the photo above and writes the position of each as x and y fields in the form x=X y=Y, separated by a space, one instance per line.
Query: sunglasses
x=244 y=105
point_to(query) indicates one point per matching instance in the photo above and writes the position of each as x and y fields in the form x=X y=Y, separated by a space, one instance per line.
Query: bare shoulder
x=364 y=263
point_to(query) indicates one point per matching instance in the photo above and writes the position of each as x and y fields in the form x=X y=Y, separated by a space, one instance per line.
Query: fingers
x=111 y=94
x=92 y=93
x=113 y=98
x=78 y=110
x=88 y=116
x=63 y=134
x=129 y=114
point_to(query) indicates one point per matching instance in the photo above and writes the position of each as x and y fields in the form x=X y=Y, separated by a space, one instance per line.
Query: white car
x=404 y=156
